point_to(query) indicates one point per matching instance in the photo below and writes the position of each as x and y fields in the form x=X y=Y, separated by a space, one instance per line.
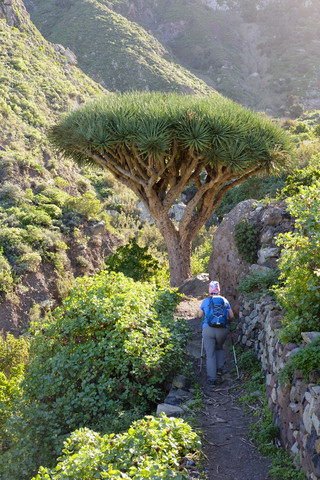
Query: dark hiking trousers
x=213 y=340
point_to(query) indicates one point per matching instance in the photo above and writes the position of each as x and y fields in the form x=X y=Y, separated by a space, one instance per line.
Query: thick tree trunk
x=179 y=260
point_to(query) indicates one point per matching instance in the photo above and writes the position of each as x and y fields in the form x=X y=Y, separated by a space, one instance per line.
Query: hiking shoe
x=211 y=383
x=220 y=371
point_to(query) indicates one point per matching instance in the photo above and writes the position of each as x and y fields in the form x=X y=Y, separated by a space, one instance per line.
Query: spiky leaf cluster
x=213 y=128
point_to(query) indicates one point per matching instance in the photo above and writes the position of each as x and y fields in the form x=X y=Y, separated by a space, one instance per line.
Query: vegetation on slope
x=262 y=54
x=42 y=200
x=113 y=50
x=153 y=448
x=100 y=361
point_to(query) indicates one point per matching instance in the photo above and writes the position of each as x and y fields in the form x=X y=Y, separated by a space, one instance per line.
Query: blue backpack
x=217 y=315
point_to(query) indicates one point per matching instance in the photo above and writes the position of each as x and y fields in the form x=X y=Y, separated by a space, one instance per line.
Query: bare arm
x=200 y=313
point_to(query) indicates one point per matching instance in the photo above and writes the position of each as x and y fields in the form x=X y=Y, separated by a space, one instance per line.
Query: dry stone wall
x=295 y=407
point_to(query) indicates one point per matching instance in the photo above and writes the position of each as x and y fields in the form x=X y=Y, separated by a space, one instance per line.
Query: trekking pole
x=201 y=355
x=234 y=354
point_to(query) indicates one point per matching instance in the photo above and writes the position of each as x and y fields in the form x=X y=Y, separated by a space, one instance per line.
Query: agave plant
x=157 y=144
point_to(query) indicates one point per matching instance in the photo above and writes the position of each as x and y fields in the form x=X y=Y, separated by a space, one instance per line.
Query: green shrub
x=6 y=280
x=299 y=266
x=316 y=130
x=247 y=240
x=106 y=354
x=152 y=448
x=133 y=261
x=28 y=262
x=256 y=284
x=307 y=359
x=302 y=177
x=13 y=357
x=301 y=128
x=87 y=205
x=248 y=361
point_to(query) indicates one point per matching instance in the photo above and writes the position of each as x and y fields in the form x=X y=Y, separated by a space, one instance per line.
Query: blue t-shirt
x=205 y=306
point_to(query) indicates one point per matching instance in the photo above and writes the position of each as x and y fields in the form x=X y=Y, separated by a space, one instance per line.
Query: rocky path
x=229 y=455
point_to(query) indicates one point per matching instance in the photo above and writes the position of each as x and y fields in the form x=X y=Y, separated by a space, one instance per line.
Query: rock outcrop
x=15 y=13
x=226 y=264
x=196 y=286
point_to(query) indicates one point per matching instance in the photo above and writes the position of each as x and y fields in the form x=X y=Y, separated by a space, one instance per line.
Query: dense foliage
x=256 y=284
x=103 y=359
x=216 y=129
x=299 y=266
x=247 y=240
x=14 y=354
x=133 y=261
x=152 y=448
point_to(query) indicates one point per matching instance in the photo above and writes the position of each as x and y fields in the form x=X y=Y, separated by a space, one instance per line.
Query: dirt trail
x=229 y=453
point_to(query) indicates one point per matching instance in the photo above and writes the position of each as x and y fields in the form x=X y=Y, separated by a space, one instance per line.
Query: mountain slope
x=261 y=53
x=45 y=201
x=113 y=50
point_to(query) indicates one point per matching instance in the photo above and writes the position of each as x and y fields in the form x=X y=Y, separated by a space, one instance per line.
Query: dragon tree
x=159 y=144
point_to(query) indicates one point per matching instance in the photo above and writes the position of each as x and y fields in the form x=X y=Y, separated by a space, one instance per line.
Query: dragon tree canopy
x=158 y=143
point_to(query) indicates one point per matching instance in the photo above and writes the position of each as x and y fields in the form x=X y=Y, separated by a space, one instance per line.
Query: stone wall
x=227 y=265
x=295 y=407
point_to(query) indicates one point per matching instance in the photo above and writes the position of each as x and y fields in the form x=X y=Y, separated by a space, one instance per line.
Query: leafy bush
x=299 y=266
x=151 y=448
x=6 y=280
x=316 y=130
x=13 y=356
x=133 y=261
x=302 y=177
x=104 y=357
x=301 y=128
x=87 y=205
x=248 y=361
x=307 y=359
x=246 y=238
x=256 y=284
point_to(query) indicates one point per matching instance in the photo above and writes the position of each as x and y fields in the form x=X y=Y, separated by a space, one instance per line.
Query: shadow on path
x=229 y=455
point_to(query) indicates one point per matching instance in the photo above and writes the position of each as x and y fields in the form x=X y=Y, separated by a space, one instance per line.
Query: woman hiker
x=215 y=311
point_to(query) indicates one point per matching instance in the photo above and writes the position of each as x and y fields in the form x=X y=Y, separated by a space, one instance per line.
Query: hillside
x=112 y=49
x=46 y=203
x=263 y=54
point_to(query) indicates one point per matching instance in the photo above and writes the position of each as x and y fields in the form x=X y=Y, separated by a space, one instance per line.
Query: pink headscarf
x=214 y=287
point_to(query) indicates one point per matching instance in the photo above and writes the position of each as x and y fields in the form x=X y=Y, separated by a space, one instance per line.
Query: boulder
x=197 y=286
x=309 y=337
x=226 y=264
x=255 y=268
x=70 y=57
x=169 y=410
x=180 y=381
x=98 y=228
x=272 y=216
x=265 y=254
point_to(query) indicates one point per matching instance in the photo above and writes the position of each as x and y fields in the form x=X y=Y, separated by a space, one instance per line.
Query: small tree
x=157 y=144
